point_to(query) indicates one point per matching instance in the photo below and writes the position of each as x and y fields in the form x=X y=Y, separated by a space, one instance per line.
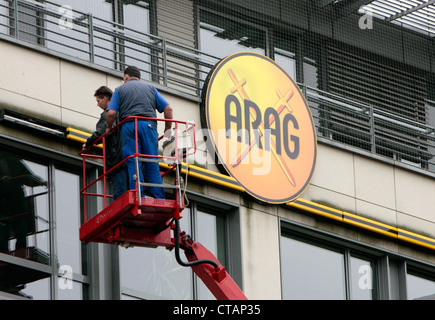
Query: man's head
x=131 y=72
x=103 y=95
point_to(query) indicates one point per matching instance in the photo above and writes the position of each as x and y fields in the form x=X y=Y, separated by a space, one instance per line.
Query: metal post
x=164 y=62
x=91 y=37
x=85 y=203
x=15 y=17
x=179 y=167
x=104 y=172
x=304 y=90
x=138 y=186
x=136 y=158
x=372 y=130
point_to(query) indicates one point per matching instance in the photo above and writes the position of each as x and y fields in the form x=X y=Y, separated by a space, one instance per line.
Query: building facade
x=364 y=228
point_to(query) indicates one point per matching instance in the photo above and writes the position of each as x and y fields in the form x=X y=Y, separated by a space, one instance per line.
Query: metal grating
x=418 y=15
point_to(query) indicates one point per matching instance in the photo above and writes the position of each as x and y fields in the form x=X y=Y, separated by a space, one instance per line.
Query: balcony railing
x=84 y=37
x=105 y=43
x=366 y=127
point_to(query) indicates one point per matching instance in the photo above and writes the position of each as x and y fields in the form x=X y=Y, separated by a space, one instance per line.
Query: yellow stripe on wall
x=304 y=205
x=80 y=136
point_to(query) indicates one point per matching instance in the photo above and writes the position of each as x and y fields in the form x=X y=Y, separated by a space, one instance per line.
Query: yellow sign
x=260 y=126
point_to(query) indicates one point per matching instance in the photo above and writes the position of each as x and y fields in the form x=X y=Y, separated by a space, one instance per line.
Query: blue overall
x=137 y=98
x=148 y=145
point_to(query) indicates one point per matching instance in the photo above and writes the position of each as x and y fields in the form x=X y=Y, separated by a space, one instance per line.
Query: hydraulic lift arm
x=207 y=268
x=121 y=223
x=135 y=220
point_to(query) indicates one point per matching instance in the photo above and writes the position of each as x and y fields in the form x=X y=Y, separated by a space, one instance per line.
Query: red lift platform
x=136 y=220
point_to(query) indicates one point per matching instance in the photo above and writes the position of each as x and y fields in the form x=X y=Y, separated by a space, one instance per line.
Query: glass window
x=419 y=287
x=319 y=269
x=85 y=29
x=362 y=279
x=430 y=107
x=39 y=196
x=67 y=197
x=70 y=291
x=24 y=220
x=285 y=53
x=149 y=273
x=26 y=226
x=311 y=272
x=4 y=19
x=211 y=234
x=136 y=16
x=99 y=8
x=311 y=64
x=221 y=37
x=37 y=290
x=30 y=24
x=287 y=60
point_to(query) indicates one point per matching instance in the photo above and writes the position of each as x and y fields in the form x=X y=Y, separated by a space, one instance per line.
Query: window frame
x=390 y=268
x=259 y=27
x=53 y=160
x=331 y=242
x=230 y=251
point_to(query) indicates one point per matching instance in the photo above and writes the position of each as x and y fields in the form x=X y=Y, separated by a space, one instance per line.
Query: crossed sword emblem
x=281 y=104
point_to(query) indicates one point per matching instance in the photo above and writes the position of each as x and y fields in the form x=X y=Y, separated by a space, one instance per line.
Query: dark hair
x=132 y=71
x=103 y=91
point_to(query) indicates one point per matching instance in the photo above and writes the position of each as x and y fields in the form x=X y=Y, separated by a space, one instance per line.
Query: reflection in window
x=221 y=37
x=419 y=287
x=26 y=228
x=430 y=107
x=72 y=291
x=39 y=194
x=24 y=231
x=19 y=188
x=362 y=279
x=287 y=61
x=155 y=274
x=135 y=16
x=285 y=54
x=85 y=29
x=37 y=290
x=68 y=219
x=311 y=272
x=211 y=234
x=30 y=24
x=150 y=273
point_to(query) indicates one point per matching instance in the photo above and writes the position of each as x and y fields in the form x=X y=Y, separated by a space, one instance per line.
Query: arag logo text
x=260 y=126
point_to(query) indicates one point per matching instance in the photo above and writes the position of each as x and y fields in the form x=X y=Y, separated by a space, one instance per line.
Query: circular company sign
x=260 y=126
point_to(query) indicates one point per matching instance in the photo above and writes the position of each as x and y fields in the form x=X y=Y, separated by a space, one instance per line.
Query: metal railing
x=176 y=67
x=376 y=131
x=105 y=43
x=173 y=159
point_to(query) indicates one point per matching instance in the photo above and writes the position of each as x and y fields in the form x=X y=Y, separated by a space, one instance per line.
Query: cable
x=177 y=251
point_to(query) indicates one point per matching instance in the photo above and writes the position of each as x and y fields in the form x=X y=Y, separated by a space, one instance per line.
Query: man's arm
x=112 y=110
x=163 y=106
x=111 y=117
x=168 y=114
x=100 y=130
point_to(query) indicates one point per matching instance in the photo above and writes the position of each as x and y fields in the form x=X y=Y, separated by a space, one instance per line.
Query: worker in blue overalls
x=137 y=98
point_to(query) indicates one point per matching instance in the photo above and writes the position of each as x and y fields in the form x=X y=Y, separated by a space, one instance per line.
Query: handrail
x=176 y=159
x=372 y=129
